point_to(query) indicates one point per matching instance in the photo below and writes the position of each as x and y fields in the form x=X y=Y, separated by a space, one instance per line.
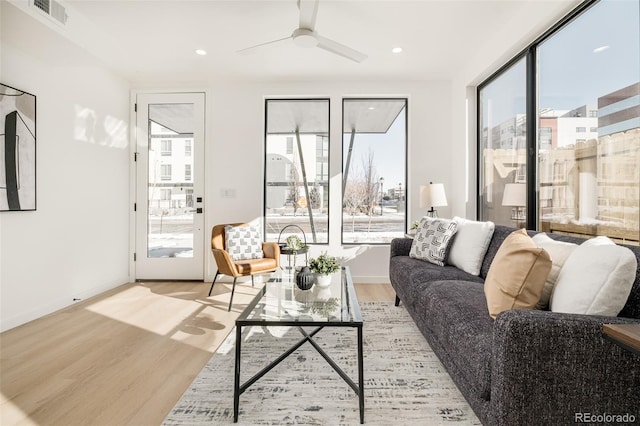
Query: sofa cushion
x=432 y=240
x=454 y=313
x=470 y=244
x=596 y=279
x=517 y=275
x=408 y=275
x=559 y=252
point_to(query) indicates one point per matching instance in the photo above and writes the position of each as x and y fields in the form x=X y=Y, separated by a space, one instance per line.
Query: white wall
x=75 y=244
x=235 y=151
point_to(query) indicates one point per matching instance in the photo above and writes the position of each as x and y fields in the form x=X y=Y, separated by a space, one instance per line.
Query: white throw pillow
x=243 y=242
x=432 y=239
x=596 y=279
x=470 y=244
x=559 y=252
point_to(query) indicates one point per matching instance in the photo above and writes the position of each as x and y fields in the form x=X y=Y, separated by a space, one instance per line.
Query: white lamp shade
x=432 y=195
x=515 y=195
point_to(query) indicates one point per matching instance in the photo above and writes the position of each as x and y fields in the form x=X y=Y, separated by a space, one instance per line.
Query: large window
x=503 y=147
x=580 y=87
x=374 y=170
x=588 y=90
x=297 y=169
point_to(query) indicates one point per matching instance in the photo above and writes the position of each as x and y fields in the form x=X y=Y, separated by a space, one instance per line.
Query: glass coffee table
x=282 y=303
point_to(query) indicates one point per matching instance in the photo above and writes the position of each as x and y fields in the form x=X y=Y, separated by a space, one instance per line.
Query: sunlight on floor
x=194 y=319
x=10 y=413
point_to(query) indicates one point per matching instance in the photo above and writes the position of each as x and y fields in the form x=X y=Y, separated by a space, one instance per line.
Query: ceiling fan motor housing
x=304 y=37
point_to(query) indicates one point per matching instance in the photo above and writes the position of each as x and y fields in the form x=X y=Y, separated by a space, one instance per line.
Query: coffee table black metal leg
x=236 y=387
x=360 y=374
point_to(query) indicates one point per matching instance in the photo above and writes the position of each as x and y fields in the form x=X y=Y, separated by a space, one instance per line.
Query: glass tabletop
x=281 y=302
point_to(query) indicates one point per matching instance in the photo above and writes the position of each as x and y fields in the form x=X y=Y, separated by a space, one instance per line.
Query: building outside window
x=374 y=170
x=296 y=171
x=602 y=161
x=169 y=192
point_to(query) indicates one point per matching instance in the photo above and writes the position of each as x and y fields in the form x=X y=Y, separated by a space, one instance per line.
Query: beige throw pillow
x=517 y=274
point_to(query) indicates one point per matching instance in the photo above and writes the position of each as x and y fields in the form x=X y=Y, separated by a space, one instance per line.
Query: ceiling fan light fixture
x=304 y=37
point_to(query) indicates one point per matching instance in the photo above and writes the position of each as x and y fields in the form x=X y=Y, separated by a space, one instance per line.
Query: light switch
x=228 y=193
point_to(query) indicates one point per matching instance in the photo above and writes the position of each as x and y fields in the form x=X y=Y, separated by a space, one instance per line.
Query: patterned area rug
x=404 y=380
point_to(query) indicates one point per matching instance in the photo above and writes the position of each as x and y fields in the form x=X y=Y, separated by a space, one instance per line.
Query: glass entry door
x=170 y=174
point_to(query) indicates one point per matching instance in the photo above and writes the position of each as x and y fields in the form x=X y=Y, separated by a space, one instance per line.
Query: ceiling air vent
x=53 y=9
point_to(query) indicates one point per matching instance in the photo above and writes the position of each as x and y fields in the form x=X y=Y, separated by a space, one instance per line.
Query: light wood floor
x=122 y=358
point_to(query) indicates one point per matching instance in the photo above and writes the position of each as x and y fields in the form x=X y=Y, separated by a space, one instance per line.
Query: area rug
x=404 y=380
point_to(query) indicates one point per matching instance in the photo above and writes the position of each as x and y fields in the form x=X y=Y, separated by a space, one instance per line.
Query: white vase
x=323 y=280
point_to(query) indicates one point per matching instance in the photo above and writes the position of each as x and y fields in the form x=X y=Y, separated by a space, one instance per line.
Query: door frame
x=133 y=135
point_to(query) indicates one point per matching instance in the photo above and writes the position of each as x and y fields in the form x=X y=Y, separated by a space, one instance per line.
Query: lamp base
x=432 y=212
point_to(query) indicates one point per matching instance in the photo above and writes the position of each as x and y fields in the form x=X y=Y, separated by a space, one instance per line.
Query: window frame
x=265 y=162
x=406 y=164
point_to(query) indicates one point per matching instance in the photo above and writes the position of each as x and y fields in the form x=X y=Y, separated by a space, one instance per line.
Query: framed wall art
x=17 y=149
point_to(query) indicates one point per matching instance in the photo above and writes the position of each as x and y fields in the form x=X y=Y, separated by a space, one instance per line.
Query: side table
x=626 y=336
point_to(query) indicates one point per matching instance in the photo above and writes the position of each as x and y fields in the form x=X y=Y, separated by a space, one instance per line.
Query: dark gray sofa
x=528 y=367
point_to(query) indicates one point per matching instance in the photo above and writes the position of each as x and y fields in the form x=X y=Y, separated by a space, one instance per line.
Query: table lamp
x=432 y=195
x=515 y=195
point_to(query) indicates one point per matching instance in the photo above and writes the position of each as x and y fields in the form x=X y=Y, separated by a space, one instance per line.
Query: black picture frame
x=17 y=149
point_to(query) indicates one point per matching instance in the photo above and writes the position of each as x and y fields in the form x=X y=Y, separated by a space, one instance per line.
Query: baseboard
x=57 y=304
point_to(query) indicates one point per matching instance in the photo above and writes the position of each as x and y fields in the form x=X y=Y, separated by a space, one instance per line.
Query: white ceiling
x=154 y=41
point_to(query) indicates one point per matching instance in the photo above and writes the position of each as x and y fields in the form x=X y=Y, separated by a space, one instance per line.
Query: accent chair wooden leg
x=397 y=301
x=214 y=281
x=232 y=290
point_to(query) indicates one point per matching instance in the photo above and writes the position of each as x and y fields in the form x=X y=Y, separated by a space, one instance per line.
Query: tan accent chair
x=240 y=268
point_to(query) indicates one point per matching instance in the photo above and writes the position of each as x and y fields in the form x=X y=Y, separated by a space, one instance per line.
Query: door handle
x=199 y=210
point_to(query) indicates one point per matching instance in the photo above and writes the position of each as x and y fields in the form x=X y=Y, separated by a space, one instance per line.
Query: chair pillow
x=432 y=240
x=596 y=279
x=470 y=244
x=517 y=274
x=559 y=252
x=243 y=242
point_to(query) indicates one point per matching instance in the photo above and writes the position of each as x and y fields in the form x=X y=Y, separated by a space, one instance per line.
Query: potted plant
x=295 y=244
x=414 y=228
x=323 y=266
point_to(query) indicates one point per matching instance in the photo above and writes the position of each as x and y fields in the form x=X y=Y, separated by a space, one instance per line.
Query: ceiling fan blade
x=308 y=12
x=257 y=46
x=340 y=49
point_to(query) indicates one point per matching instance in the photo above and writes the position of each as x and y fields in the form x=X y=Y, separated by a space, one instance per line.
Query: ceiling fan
x=306 y=36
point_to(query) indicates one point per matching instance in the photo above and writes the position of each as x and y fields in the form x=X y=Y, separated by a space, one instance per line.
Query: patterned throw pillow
x=244 y=242
x=432 y=240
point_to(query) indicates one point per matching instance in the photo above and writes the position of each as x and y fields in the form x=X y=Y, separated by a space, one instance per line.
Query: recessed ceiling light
x=371 y=108
x=201 y=52
x=600 y=49
x=397 y=50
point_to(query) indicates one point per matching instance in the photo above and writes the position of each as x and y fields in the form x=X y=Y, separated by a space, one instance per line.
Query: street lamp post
x=381 y=193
